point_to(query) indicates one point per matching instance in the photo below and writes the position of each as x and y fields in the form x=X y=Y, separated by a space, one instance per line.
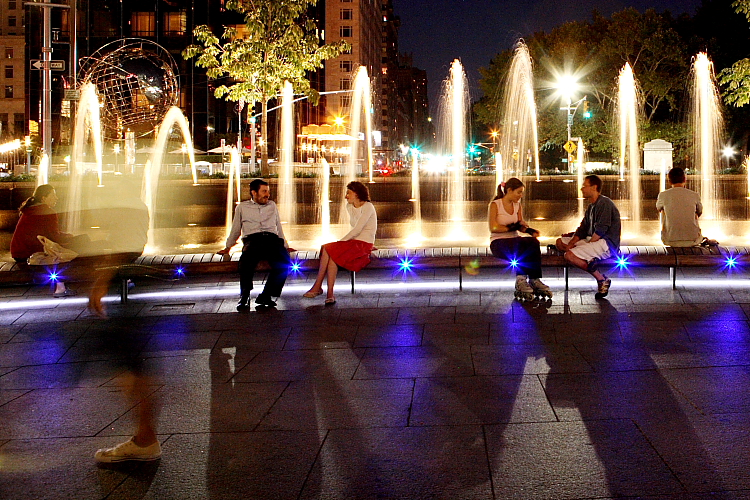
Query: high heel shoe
x=311 y=294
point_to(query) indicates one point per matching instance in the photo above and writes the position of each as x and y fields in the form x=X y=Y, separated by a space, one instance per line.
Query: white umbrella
x=195 y=150
x=225 y=149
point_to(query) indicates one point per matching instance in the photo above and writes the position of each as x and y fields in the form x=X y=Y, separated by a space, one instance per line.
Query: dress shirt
x=251 y=217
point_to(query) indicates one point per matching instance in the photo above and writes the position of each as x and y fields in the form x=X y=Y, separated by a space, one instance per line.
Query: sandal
x=311 y=294
x=330 y=301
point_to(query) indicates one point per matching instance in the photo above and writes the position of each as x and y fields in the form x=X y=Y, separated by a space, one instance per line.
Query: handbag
x=53 y=253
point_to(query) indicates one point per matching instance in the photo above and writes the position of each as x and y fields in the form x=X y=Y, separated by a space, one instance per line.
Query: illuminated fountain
x=519 y=114
x=285 y=189
x=706 y=123
x=235 y=162
x=152 y=170
x=361 y=108
x=628 y=106
x=452 y=141
x=42 y=175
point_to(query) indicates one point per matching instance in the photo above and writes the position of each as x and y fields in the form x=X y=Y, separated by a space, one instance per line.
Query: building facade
x=12 y=74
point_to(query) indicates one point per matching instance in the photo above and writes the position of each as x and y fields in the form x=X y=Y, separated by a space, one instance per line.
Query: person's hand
x=290 y=250
x=223 y=251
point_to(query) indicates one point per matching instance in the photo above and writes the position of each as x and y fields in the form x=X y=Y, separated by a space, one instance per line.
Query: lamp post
x=566 y=86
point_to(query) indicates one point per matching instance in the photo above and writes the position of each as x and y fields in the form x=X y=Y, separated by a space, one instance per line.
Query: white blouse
x=364 y=222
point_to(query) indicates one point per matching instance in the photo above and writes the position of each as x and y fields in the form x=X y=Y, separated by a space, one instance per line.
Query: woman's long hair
x=36 y=198
x=360 y=190
x=510 y=185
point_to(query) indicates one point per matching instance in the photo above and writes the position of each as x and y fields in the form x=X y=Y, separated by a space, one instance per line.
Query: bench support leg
x=565 y=275
x=352 y=279
x=673 y=277
x=123 y=291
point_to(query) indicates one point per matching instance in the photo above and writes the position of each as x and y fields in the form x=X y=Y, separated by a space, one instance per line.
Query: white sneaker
x=128 y=451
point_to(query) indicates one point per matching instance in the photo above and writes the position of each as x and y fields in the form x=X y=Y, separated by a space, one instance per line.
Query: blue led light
x=622 y=262
x=53 y=276
x=731 y=262
x=514 y=263
x=180 y=271
x=296 y=266
x=405 y=264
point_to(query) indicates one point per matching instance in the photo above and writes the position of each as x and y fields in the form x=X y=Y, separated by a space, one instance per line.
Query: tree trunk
x=264 y=137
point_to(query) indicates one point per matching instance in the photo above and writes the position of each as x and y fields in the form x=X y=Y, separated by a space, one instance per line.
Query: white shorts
x=588 y=251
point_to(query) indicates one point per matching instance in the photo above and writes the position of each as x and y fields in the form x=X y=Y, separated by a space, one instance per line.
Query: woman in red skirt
x=352 y=252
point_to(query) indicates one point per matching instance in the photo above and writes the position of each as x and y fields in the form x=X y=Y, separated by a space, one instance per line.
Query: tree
x=736 y=78
x=279 y=42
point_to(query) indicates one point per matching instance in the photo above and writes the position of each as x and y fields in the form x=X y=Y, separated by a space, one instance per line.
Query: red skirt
x=350 y=254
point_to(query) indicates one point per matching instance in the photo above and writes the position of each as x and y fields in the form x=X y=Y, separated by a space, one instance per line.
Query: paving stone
x=445 y=462
x=7 y=395
x=520 y=359
x=32 y=353
x=453 y=299
x=228 y=465
x=410 y=315
x=729 y=332
x=593 y=459
x=61 y=468
x=713 y=390
x=479 y=400
x=301 y=365
x=60 y=375
x=216 y=367
x=196 y=408
x=409 y=362
x=316 y=404
x=371 y=317
x=447 y=334
x=389 y=336
x=66 y=412
x=637 y=331
x=173 y=344
x=261 y=339
x=321 y=337
x=51 y=314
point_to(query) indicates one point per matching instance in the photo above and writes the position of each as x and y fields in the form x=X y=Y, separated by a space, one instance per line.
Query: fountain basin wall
x=180 y=204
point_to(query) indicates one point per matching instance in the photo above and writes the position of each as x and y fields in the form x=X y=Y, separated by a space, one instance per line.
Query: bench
x=463 y=259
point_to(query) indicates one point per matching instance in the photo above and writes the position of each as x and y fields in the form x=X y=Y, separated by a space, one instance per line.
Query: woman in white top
x=512 y=240
x=352 y=252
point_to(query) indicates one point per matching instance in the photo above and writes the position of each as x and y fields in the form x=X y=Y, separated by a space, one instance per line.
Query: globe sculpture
x=137 y=83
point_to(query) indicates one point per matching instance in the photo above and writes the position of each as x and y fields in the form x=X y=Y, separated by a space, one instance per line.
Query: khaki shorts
x=588 y=251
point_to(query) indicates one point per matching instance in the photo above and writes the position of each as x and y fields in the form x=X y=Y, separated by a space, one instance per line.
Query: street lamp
x=567 y=86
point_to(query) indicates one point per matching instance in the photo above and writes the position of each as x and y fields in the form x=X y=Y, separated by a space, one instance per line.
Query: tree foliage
x=277 y=43
x=596 y=51
x=736 y=79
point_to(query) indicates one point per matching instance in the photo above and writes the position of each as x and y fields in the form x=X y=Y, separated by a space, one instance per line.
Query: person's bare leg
x=582 y=264
x=333 y=270
x=138 y=392
x=322 y=269
x=559 y=245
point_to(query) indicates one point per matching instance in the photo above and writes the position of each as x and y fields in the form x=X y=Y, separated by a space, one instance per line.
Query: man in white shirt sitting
x=258 y=221
x=680 y=208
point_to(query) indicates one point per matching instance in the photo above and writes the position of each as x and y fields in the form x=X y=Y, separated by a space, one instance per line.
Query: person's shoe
x=330 y=301
x=65 y=293
x=128 y=451
x=265 y=300
x=603 y=288
x=244 y=303
x=311 y=294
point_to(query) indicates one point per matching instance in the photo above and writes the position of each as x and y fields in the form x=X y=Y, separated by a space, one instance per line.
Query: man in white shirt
x=258 y=221
x=680 y=208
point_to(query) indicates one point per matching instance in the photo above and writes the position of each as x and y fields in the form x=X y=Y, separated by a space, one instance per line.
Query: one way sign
x=53 y=65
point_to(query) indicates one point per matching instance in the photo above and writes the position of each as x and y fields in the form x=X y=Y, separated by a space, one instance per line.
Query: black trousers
x=525 y=251
x=268 y=247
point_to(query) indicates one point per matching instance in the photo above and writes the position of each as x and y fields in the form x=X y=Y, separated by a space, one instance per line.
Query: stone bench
x=462 y=259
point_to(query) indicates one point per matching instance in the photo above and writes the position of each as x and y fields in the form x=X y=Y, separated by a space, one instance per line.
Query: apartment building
x=12 y=73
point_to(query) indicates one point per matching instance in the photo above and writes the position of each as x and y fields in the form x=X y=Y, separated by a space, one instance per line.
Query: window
x=9 y=52
x=9 y=91
x=346 y=66
x=19 y=122
x=8 y=71
x=345 y=84
x=12 y=21
x=12 y=5
x=143 y=23
x=346 y=1
x=346 y=101
x=346 y=14
x=345 y=31
x=175 y=23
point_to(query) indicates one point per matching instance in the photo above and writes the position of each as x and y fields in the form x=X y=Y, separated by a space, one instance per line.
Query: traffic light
x=586 y=112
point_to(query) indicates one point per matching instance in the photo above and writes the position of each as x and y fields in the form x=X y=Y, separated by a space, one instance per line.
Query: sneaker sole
x=139 y=458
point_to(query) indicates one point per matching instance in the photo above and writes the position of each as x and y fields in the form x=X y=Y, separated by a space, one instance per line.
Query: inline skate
x=523 y=289
x=541 y=291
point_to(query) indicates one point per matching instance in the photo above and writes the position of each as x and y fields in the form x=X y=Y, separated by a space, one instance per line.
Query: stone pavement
x=407 y=389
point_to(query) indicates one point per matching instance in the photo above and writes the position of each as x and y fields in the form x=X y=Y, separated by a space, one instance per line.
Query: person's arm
x=523 y=223
x=698 y=209
x=234 y=233
x=368 y=212
x=659 y=204
x=280 y=229
x=602 y=220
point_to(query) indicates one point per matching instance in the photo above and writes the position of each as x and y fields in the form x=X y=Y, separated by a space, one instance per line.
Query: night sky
x=439 y=31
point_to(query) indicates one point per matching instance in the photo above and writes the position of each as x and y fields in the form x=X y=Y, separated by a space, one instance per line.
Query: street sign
x=53 y=65
x=570 y=147
x=72 y=95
